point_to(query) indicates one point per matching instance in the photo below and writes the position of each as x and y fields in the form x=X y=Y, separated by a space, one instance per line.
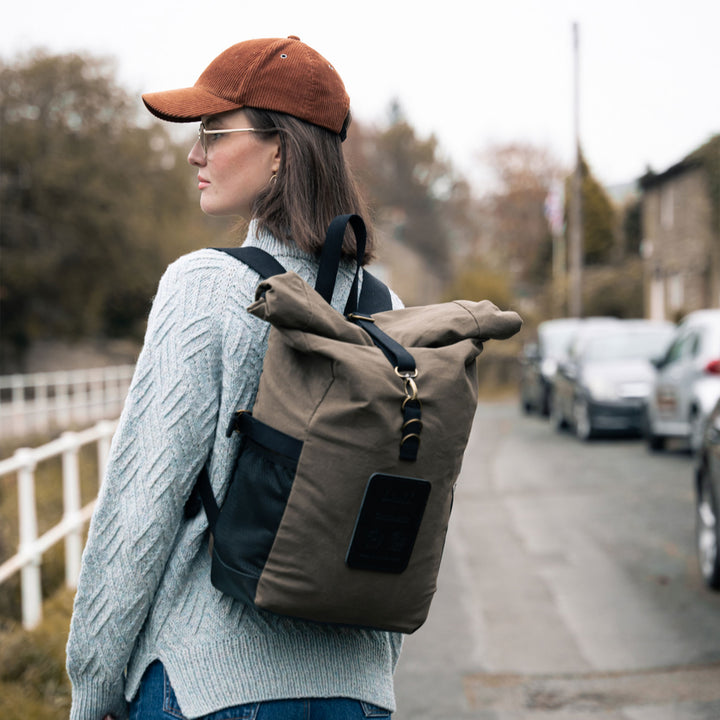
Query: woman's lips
x=202 y=183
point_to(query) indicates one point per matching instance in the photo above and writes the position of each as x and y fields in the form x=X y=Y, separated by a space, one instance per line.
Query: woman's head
x=235 y=162
x=286 y=169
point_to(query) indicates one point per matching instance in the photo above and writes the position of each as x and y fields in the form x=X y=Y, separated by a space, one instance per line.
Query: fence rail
x=39 y=402
x=31 y=548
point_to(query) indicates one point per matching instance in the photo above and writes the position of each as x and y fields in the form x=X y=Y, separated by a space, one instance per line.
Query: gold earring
x=273 y=178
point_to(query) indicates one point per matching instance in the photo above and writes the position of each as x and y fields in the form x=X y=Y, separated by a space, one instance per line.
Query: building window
x=676 y=291
x=667 y=207
x=657 y=297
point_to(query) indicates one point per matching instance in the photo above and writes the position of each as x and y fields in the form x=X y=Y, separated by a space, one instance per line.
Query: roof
x=704 y=156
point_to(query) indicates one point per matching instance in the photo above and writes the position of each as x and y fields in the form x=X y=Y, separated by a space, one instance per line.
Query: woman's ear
x=278 y=155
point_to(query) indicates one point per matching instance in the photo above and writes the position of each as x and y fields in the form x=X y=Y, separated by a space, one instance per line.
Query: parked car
x=604 y=384
x=707 y=496
x=561 y=400
x=539 y=363
x=687 y=383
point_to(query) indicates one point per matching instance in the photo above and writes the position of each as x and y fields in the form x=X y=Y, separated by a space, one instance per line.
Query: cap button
x=293 y=37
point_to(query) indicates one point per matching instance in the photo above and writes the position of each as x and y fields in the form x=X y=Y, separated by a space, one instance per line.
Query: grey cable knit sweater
x=144 y=590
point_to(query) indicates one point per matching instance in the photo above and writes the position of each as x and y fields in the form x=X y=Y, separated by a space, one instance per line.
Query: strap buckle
x=234 y=423
x=359 y=316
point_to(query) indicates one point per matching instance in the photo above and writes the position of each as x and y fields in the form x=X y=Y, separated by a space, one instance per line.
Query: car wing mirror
x=531 y=351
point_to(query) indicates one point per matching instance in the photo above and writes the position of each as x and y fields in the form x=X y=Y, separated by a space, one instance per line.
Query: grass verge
x=33 y=681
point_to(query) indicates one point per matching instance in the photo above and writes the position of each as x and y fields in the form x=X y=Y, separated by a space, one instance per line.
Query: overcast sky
x=472 y=72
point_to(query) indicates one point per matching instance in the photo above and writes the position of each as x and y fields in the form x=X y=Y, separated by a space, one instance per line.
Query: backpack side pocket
x=250 y=516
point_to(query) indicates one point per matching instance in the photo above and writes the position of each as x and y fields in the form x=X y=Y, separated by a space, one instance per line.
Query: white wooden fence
x=27 y=561
x=39 y=402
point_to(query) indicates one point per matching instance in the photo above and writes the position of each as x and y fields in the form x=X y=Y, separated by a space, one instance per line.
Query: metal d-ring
x=408 y=376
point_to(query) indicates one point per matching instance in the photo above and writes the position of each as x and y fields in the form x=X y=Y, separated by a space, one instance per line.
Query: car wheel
x=545 y=404
x=697 y=430
x=654 y=442
x=707 y=532
x=556 y=415
x=581 y=417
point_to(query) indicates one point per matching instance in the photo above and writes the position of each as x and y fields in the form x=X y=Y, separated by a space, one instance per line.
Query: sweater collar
x=278 y=249
x=268 y=242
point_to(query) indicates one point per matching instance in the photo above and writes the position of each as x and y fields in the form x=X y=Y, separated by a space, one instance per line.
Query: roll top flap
x=449 y=323
x=289 y=303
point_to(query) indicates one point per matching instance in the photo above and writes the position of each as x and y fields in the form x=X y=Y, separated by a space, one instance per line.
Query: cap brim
x=186 y=105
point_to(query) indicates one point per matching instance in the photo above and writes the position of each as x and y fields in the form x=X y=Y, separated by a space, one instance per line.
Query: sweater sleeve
x=165 y=434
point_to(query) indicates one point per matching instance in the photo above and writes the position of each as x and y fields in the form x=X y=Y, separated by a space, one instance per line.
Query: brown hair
x=313 y=185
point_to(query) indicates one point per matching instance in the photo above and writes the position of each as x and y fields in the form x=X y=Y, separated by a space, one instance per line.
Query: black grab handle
x=374 y=297
x=332 y=252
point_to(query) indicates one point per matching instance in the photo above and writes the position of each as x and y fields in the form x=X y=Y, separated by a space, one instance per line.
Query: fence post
x=18 y=404
x=103 y=448
x=31 y=588
x=96 y=393
x=40 y=402
x=71 y=509
x=113 y=394
x=63 y=414
x=80 y=396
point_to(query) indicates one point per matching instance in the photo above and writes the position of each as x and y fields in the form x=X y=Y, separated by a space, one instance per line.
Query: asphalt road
x=569 y=587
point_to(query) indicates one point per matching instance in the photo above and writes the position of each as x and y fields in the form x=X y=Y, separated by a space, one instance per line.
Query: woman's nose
x=196 y=156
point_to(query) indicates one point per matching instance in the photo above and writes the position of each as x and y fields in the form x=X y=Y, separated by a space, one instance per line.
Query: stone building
x=402 y=267
x=681 y=235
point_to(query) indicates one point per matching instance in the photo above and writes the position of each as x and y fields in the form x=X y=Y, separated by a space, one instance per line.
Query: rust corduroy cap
x=284 y=75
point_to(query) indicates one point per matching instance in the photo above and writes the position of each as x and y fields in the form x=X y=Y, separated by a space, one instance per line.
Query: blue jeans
x=156 y=700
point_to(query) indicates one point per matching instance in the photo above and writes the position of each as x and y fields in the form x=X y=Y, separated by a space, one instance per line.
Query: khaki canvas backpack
x=341 y=495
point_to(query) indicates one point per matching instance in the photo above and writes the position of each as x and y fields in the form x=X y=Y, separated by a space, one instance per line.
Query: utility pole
x=576 y=224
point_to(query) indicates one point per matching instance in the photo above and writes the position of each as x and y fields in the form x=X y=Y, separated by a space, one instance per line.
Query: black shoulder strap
x=263 y=263
x=374 y=295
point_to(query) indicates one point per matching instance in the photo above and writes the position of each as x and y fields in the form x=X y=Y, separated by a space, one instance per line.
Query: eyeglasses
x=203 y=134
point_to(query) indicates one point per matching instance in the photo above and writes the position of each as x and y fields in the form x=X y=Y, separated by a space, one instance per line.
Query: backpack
x=342 y=488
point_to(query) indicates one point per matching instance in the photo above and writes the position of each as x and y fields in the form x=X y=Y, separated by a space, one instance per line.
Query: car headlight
x=548 y=367
x=600 y=388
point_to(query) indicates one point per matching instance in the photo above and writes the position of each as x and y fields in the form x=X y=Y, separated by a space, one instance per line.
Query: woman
x=150 y=636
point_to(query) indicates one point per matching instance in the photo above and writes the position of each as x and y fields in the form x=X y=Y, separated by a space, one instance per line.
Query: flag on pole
x=554 y=208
